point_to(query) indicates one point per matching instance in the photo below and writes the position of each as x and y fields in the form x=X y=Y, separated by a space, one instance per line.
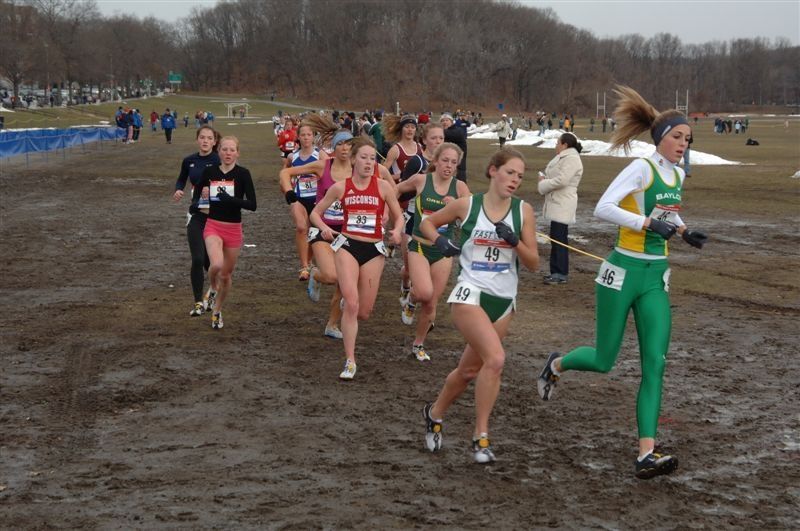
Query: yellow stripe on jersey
x=632 y=240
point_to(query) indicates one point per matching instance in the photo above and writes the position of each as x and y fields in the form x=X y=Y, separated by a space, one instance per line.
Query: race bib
x=202 y=203
x=668 y=213
x=338 y=242
x=465 y=293
x=288 y=146
x=334 y=213
x=218 y=186
x=491 y=255
x=362 y=222
x=306 y=186
x=610 y=276
x=312 y=233
x=665 y=278
x=381 y=247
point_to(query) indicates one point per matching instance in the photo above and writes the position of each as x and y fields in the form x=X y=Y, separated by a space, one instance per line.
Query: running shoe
x=313 y=287
x=198 y=309
x=553 y=280
x=655 y=465
x=333 y=332
x=216 y=320
x=420 y=353
x=304 y=273
x=482 y=450
x=212 y=298
x=431 y=327
x=547 y=379
x=349 y=371
x=407 y=315
x=433 y=430
x=404 y=293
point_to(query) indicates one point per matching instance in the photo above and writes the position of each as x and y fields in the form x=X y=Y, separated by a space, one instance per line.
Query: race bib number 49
x=491 y=255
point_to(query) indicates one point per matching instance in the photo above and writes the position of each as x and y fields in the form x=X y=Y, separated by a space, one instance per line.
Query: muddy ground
x=119 y=410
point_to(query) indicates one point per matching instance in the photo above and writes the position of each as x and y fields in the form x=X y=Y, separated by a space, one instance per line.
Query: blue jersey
x=305 y=186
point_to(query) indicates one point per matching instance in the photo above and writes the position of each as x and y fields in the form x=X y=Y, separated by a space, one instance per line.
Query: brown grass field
x=117 y=410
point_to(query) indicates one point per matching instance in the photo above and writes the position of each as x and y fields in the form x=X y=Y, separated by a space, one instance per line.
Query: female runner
x=497 y=231
x=360 y=252
x=328 y=172
x=192 y=169
x=302 y=194
x=402 y=130
x=428 y=268
x=644 y=201
x=230 y=189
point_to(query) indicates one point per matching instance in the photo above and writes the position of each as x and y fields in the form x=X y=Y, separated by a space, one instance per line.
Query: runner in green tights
x=644 y=201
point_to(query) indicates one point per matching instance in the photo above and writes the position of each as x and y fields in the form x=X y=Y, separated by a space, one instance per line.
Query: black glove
x=505 y=232
x=291 y=197
x=695 y=238
x=446 y=246
x=663 y=228
x=223 y=196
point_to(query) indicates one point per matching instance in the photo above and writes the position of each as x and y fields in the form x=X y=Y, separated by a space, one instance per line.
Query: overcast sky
x=694 y=21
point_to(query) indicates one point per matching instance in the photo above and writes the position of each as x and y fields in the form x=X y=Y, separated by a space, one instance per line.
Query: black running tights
x=197 y=247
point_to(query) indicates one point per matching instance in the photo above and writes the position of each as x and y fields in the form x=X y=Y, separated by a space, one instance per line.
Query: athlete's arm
x=457 y=209
x=286 y=174
x=527 y=249
x=391 y=157
x=334 y=193
x=630 y=180
x=180 y=184
x=387 y=177
x=462 y=190
x=389 y=195
x=412 y=184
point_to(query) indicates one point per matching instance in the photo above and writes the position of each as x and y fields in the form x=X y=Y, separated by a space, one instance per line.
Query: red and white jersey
x=287 y=140
x=402 y=159
x=363 y=209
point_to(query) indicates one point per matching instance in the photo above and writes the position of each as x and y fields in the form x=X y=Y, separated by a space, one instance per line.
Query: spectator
x=168 y=124
x=153 y=120
x=503 y=129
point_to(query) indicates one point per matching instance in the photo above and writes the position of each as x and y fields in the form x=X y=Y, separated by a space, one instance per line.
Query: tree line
x=427 y=54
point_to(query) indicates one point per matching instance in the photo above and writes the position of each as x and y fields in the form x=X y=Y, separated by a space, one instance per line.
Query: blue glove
x=446 y=246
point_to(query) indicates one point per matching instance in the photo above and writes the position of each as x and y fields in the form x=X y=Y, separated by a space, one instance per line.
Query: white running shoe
x=197 y=310
x=482 y=450
x=333 y=332
x=420 y=353
x=349 y=371
x=407 y=315
x=212 y=298
x=547 y=381
x=216 y=321
x=313 y=287
x=433 y=430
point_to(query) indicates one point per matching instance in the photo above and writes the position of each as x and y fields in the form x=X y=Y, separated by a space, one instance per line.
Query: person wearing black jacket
x=230 y=189
x=456 y=134
x=192 y=170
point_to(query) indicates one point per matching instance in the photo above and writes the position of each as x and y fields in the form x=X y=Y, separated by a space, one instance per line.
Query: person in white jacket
x=559 y=186
x=503 y=130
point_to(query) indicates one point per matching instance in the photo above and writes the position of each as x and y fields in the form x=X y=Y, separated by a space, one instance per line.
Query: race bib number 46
x=668 y=213
x=610 y=276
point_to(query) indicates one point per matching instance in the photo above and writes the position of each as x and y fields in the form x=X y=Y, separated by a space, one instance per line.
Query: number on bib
x=610 y=276
x=464 y=293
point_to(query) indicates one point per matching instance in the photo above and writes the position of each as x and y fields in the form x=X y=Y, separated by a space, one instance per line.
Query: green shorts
x=430 y=252
x=495 y=307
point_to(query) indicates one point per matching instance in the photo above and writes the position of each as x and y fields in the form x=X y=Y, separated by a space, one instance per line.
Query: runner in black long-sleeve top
x=230 y=189
x=192 y=170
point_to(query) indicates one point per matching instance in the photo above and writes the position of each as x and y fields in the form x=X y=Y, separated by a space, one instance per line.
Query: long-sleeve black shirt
x=237 y=184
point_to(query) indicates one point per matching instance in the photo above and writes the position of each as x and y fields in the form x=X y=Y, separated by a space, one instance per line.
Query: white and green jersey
x=486 y=260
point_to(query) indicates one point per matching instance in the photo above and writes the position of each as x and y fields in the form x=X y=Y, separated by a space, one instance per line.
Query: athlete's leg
x=348 y=271
x=225 y=275
x=197 y=249
x=483 y=358
x=300 y=218
x=653 y=323
x=405 y=275
x=439 y=275
x=217 y=257
x=611 y=314
x=369 y=280
x=335 y=314
x=326 y=264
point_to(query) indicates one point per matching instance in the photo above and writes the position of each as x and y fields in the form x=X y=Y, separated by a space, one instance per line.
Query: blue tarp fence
x=13 y=143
